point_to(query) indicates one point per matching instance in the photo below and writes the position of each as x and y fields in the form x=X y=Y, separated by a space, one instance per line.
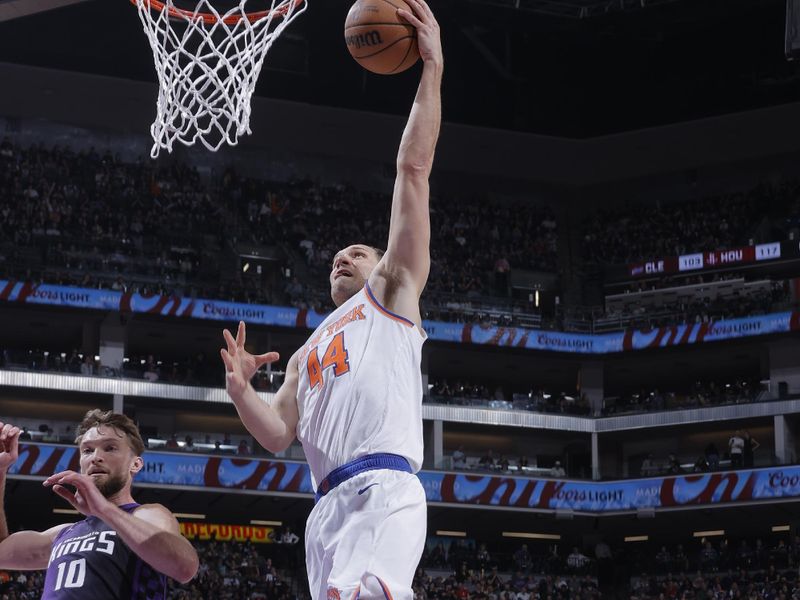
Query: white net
x=208 y=63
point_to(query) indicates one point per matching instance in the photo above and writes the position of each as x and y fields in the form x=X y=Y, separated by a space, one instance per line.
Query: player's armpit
x=28 y=550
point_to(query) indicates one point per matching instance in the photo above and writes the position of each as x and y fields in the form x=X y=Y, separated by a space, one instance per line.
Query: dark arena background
x=613 y=296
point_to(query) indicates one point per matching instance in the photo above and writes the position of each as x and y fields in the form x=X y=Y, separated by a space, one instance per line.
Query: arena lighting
x=246 y=267
x=637 y=538
x=266 y=523
x=536 y=298
x=531 y=536
x=779 y=528
x=189 y=516
x=65 y=511
x=446 y=533
x=710 y=533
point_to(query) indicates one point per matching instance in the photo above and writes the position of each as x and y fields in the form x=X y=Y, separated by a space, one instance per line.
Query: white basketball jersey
x=360 y=387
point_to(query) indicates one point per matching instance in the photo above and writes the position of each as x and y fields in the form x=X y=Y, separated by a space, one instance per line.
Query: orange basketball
x=378 y=39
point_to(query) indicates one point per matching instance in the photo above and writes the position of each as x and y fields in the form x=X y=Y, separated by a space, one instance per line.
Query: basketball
x=378 y=39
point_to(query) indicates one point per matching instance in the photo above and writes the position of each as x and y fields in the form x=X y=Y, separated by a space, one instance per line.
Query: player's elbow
x=277 y=440
x=277 y=445
x=413 y=168
x=187 y=569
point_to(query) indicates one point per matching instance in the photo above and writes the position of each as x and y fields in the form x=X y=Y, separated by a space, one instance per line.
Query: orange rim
x=210 y=19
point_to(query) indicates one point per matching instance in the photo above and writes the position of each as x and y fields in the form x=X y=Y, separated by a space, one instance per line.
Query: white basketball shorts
x=364 y=538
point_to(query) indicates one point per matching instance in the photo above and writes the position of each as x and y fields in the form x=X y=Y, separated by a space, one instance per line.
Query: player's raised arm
x=24 y=550
x=407 y=258
x=273 y=426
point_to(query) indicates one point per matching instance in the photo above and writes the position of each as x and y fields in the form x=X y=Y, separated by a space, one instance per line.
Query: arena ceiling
x=572 y=68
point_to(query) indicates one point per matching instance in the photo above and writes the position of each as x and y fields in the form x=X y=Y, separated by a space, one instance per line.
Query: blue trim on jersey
x=370 y=462
x=384 y=309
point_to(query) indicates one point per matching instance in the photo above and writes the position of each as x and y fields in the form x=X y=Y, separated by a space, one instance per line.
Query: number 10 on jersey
x=335 y=356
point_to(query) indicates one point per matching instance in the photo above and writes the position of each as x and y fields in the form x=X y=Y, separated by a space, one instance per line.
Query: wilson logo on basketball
x=359 y=40
x=333 y=594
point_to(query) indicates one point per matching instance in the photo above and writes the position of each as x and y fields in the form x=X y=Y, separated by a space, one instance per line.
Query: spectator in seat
x=712 y=456
x=294 y=289
x=522 y=559
x=483 y=557
x=74 y=362
x=700 y=465
x=487 y=460
x=663 y=560
x=709 y=558
x=459 y=458
x=780 y=554
x=576 y=560
x=679 y=559
x=749 y=446
x=501 y=270
x=736 y=449
x=289 y=537
x=438 y=556
x=557 y=470
x=172 y=443
x=745 y=555
x=243 y=449
x=151 y=370
x=674 y=465
x=87 y=366
x=649 y=467
x=502 y=463
x=522 y=463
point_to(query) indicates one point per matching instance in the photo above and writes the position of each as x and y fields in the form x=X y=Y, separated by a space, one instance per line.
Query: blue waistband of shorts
x=370 y=462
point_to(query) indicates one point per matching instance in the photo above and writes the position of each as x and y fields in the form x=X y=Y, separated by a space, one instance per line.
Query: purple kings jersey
x=89 y=561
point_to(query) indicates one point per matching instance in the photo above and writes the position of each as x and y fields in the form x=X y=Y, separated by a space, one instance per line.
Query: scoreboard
x=715 y=259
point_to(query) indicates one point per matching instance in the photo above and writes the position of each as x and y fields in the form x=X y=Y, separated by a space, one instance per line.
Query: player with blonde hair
x=122 y=549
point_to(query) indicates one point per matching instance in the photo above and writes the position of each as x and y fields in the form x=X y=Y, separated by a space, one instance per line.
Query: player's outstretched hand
x=9 y=445
x=428 y=36
x=240 y=365
x=86 y=499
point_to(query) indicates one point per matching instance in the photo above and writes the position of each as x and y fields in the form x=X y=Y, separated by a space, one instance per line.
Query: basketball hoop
x=208 y=62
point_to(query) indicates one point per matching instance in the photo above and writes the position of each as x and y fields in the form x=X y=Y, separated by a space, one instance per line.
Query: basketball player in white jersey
x=352 y=394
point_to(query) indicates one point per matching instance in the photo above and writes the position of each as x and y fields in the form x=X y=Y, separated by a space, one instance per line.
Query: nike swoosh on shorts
x=364 y=489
